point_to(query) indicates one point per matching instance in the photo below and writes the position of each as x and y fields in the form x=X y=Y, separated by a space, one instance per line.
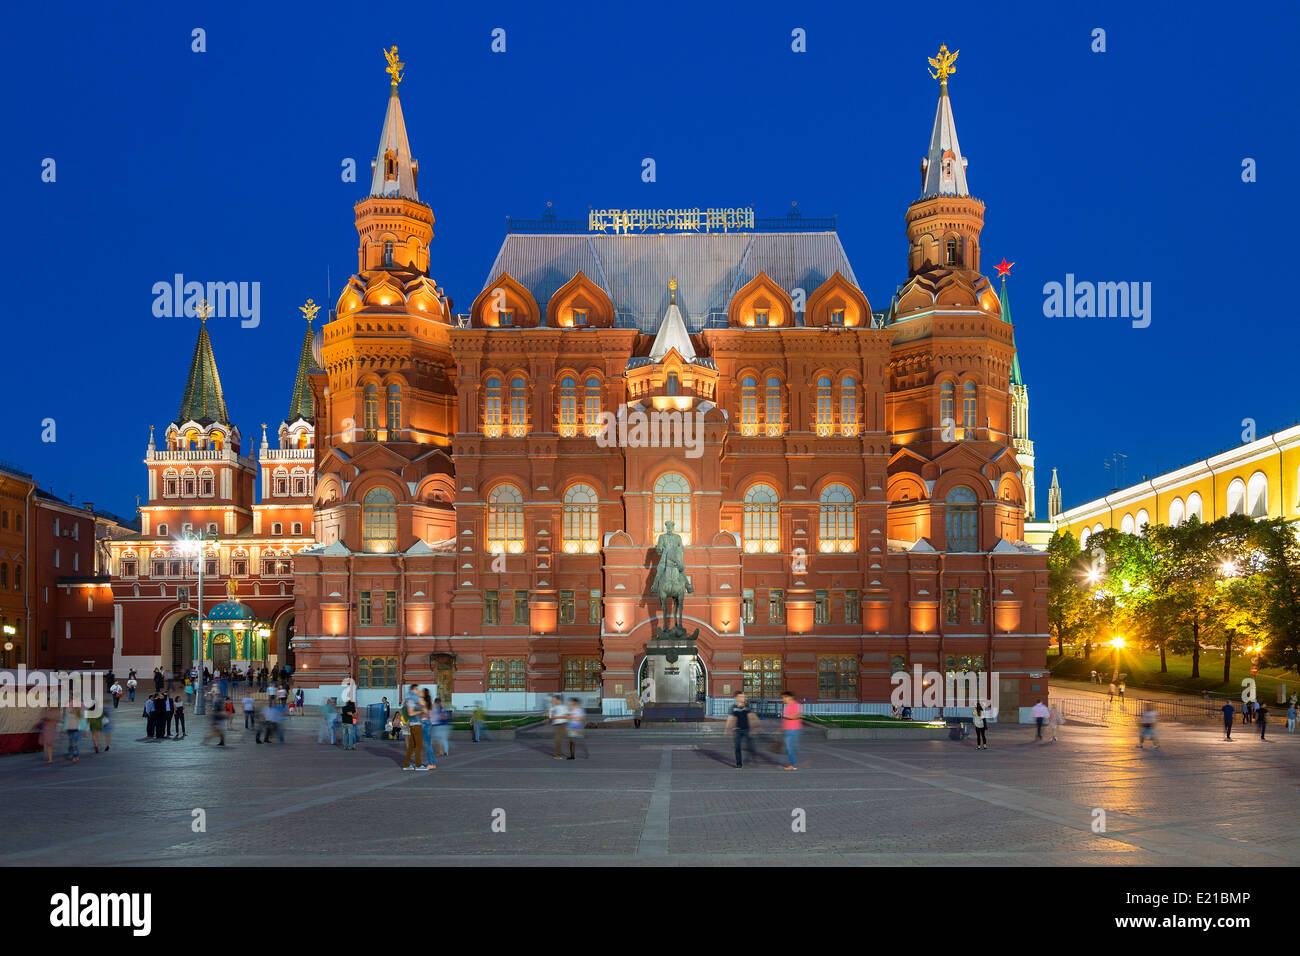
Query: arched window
x=1084 y=535
x=849 y=406
x=388 y=253
x=773 y=405
x=4 y=576
x=518 y=406
x=1141 y=521
x=593 y=405
x=394 y=410
x=1237 y=497
x=1176 y=513
x=950 y=252
x=492 y=408
x=825 y=406
x=1126 y=524
x=749 y=406
x=568 y=406
x=371 y=410
x=672 y=502
x=192 y=440
x=968 y=411
x=672 y=387
x=946 y=421
x=836 y=525
x=1257 y=496
x=379 y=522
x=217 y=441
x=581 y=520
x=762 y=529
x=505 y=520
x=962 y=520
x=1194 y=507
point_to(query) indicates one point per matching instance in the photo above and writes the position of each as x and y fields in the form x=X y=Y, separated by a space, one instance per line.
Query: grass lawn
x=1143 y=670
x=862 y=720
x=500 y=721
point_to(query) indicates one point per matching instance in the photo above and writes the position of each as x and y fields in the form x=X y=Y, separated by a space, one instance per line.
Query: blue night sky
x=225 y=165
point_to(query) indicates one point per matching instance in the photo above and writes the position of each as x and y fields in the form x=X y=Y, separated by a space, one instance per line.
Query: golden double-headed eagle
x=943 y=65
x=394 y=65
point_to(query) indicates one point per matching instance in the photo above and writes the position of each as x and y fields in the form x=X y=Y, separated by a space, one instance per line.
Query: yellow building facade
x=1261 y=479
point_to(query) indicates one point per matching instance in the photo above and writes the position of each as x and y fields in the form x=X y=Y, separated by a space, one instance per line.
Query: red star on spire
x=1004 y=267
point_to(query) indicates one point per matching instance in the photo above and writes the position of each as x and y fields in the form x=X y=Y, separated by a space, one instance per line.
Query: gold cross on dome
x=943 y=66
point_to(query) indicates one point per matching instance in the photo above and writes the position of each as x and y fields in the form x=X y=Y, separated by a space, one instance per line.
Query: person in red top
x=791 y=724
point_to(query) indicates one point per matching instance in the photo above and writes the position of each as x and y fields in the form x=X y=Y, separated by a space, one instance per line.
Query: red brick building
x=851 y=503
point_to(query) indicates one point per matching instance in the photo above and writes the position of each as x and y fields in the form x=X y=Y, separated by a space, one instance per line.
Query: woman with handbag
x=980 y=720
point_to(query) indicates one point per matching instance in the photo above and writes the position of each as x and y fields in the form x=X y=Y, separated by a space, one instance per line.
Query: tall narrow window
x=760 y=317
x=566 y=606
x=849 y=406
x=672 y=386
x=568 y=406
x=749 y=406
x=950 y=252
x=505 y=520
x=946 y=422
x=961 y=520
x=579 y=317
x=836 y=514
x=950 y=606
x=852 y=607
x=977 y=605
x=747 y=606
x=492 y=408
x=379 y=521
x=364 y=607
x=371 y=412
x=394 y=410
x=822 y=608
x=491 y=607
x=776 y=606
x=388 y=253
x=593 y=607
x=672 y=502
x=390 y=607
x=518 y=407
x=837 y=317
x=521 y=607
x=581 y=527
x=761 y=526
x=825 y=407
x=968 y=411
x=592 y=394
x=773 y=405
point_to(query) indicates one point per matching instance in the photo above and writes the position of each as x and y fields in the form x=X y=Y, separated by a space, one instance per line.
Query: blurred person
x=96 y=725
x=1228 y=712
x=349 y=719
x=385 y=717
x=478 y=724
x=576 y=728
x=1040 y=713
x=1148 y=725
x=791 y=727
x=1261 y=717
x=250 y=710
x=741 y=720
x=980 y=720
x=1290 y=717
x=217 y=727
x=298 y=699
x=228 y=708
x=48 y=728
x=178 y=709
x=559 y=717
x=72 y=726
x=413 y=710
x=108 y=730
x=1054 y=720
x=426 y=726
x=442 y=718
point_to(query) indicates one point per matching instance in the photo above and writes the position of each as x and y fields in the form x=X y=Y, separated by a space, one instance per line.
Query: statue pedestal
x=671 y=661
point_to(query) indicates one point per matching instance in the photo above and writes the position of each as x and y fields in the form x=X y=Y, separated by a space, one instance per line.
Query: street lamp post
x=193 y=543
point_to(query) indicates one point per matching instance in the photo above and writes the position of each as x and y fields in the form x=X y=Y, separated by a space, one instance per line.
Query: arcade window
x=761 y=520
x=837 y=678
x=776 y=606
x=763 y=677
x=363 y=607
x=977 y=605
x=566 y=607
x=507 y=674
x=593 y=608
x=491 y=607
x=581 y=673
x=390 y=607
x=747 y=607
x=521 y=607
x=950 y=606
x=852 y=607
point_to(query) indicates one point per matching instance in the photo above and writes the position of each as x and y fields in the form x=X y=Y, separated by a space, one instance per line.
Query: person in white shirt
x=1040 y=713
x=559 y=715
x=980 y=720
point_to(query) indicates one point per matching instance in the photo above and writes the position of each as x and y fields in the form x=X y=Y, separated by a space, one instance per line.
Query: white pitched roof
x=672 y=334
x=945 y=167
x=393 y=138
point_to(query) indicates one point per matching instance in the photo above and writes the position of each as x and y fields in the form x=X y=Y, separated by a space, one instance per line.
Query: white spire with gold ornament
x=943 y=171
x=672 y=331
x=393 y=171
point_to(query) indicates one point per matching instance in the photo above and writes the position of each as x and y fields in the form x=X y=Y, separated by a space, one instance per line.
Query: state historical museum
x=853 y=503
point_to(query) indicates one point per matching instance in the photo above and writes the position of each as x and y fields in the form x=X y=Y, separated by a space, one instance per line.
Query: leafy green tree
x=1278 y=555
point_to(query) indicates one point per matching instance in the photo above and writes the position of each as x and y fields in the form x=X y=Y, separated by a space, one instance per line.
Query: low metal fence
x=1131 y=708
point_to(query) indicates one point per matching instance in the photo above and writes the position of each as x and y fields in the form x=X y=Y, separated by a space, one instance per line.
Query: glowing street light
x=197 y=544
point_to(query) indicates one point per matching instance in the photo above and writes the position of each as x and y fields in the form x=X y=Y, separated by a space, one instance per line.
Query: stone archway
x=174 y=625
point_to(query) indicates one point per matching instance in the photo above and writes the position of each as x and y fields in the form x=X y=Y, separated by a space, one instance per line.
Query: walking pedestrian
x=980 y=720
x=385 y=717
x=96 y=722
x=1148 y=725
x=1093 y=678
x=1040 y=713
x=577 y=725
x=740 y=721
x=349 y=717
x=72 y=726
x=426 y=726
x=217 y=728
x=48 y=728
x=250 y=715
x=108 y=730
x=442 y=718
x=1248 y=712
x=478 y=725
x=1290 y=718
x=412 y=710
x=559 y=721
x=228 y=708
x=178 y=706
x=116 y=690
x=1054 y=720
x=130 y=688
x=791 y=727
x=1228 y=711
x=1261 y=716
x=1110 y=694
x=149 y=718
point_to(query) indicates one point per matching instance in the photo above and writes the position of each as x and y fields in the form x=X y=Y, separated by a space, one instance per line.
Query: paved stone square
x=666 y=798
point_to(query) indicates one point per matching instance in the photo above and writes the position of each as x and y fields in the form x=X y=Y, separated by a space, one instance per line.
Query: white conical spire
x=943 y=171
x=672 y=331
x=393 y=171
